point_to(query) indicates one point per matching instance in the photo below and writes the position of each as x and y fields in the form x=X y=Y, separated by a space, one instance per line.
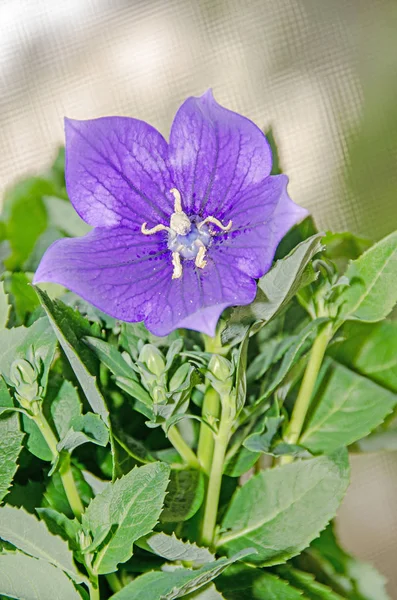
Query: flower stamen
x=176 y=263
x=155 y=229
x=216 y=222
x=200 y=262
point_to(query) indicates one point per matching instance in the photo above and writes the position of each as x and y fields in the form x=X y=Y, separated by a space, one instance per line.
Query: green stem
x=215 y=479
x=94 y=590
x=205 y=450
x=65 y=471
x=114 y=582
x=70 y=488
x=306 y=390
x=182 y=447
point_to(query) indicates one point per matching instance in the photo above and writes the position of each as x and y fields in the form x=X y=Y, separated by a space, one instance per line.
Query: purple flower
x=181 y=230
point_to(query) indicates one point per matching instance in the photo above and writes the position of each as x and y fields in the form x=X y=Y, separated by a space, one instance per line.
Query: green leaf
x=111 y=357
x=172 y=549
x=126 y=510
x=350 y=576
x=68 y=327
x=261 y=442
x=371 y=350
x=343 y=247
x=159 y=585
x=245 y=583
x=275 y=289
x=26 y=533
x=35 y=441
x=83 y=429
x=55 y=496
x=65 y=407
x=185 y=495
x=293 y=503
x=307 y=583
x=10 y=441
x=241 y=462
x=347 y=407
x=206 y=593
x=297 y=348
x=22 y=295
x=63 y=216
x=24 y=211
x=28 y=578
x=4 y=307
x=372 y=293
x=58 y=524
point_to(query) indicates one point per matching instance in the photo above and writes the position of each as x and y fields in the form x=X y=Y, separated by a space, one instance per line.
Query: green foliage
x=296 y=503
x=347 y=407
x=309 y=368
x=372 y=292
x=21 y=574
x=177 y=583
x=10 y=441
x=125 y=511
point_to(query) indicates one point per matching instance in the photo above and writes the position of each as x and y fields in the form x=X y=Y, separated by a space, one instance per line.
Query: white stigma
x=180 y=226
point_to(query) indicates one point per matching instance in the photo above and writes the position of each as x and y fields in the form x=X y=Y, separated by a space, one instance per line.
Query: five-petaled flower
x=182 y=229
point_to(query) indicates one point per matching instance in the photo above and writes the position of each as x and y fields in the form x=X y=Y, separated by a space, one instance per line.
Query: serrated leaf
x=68 y=326
x=307 y=583
x=245 y=583
x=371 y=350
x=172 y=549
x=65 y=407
x=28 y=578
x=347 y=407
x=83 y=429
x=111 y=357
x=293 y=504
x=372 y=293
x=10 y=441
x=206 y=593
x=26 y=533
x=262 y=441
x=159 y=585
x=125 y=511
x=275 y=289
x=185 y=495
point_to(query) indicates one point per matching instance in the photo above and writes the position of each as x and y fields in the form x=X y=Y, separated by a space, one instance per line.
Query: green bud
x=153 y=359
x=24 y=377
x=220 y=367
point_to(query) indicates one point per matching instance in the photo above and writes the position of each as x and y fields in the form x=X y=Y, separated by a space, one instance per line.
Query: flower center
x=187 y=239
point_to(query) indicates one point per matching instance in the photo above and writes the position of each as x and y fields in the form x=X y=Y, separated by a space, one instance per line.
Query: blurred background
x=322 y=74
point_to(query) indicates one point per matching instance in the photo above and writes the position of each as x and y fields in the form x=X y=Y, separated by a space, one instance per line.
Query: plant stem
x=306 y=390
x=94 y=591
x=70 y=488
x=205 y=450
x=182 y=447
x=65 y=471
x=114 y=582
x=215 y=480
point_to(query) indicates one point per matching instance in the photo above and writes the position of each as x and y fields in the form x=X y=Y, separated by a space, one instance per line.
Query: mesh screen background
x=323 y=74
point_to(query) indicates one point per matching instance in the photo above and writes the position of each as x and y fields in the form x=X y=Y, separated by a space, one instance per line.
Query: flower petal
x=260 y=218
x=198 y=298
x=132 y=281
x=215 y=154
x=116 y=172
x=112 y=269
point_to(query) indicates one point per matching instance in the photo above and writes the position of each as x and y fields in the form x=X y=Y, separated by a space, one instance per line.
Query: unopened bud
x=153 y=359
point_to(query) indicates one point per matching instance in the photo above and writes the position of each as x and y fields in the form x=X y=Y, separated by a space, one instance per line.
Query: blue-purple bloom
x=181 y=229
